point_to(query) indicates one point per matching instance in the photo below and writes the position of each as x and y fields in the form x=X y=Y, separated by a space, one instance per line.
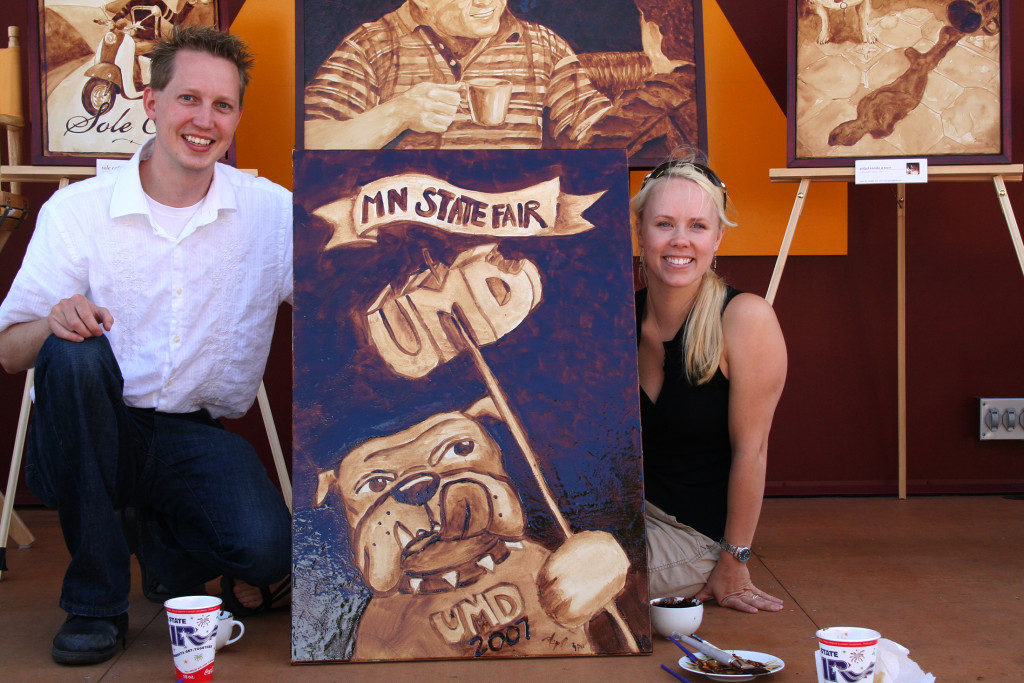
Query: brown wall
x=836 y=428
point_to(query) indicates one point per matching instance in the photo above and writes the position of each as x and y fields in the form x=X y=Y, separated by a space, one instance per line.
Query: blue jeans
x=205 y=502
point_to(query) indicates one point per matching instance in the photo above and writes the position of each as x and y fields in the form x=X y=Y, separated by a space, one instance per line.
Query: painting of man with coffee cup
x=508 y=74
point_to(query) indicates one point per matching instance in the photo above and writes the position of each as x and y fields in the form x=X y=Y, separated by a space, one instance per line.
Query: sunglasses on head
x=664 y=167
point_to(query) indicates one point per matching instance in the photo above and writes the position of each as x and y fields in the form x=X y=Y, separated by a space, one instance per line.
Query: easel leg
x=18 y=530
x=14 y=153
x=787 y=240
x=901 y=332
x=8 y=516
x=1011 y=222
x=275 y=445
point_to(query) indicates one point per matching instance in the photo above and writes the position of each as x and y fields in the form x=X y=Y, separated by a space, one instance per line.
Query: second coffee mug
x=225 y=627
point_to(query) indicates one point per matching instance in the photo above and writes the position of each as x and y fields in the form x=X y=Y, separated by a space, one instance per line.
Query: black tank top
x=685 y=435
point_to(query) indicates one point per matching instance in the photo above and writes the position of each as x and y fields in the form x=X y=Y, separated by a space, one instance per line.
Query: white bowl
x=683 y=619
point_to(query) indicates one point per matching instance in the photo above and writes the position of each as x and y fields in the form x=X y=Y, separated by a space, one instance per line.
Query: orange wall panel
x=266 y=134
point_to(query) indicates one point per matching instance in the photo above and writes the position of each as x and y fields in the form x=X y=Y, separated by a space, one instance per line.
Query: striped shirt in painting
x=387 y=57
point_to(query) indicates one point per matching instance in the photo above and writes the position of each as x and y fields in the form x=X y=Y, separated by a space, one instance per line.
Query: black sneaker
x=89 y=640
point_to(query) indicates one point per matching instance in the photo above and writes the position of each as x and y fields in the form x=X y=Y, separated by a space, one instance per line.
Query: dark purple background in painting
x=335 y=19
x=569 y=370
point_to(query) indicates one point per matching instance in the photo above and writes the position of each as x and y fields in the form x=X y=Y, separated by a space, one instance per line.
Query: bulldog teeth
x=487 y=562
x=403 y=536
x=414 y=584
x=452 y=578
x=515 y=545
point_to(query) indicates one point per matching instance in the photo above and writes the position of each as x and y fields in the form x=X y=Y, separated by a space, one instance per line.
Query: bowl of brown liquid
x=680 y=615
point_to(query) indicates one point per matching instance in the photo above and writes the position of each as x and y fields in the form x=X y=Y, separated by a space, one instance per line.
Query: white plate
x=770 y=661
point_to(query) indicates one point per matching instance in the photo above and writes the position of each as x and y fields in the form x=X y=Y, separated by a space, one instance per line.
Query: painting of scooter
x=122 y=64
x=94 y=65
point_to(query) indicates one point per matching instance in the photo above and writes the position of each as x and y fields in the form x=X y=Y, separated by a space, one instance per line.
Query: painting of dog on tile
x=466 y=464
x=898 y=78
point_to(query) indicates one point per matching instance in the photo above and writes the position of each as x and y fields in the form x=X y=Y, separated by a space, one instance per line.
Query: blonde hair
x=703 y=337
x=205 y=39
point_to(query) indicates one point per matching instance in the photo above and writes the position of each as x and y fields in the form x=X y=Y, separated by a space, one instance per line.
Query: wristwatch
x=742 y=553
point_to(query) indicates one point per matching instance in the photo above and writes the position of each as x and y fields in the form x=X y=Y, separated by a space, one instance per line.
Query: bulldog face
x=428 y=506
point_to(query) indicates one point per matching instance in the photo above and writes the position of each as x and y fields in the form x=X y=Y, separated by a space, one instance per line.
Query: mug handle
x=241 y=631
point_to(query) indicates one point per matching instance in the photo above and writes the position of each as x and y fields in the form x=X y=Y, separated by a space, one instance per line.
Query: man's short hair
x=200 y=39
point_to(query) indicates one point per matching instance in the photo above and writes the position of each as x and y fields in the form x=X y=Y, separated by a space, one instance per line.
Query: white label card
x=107 y=165
x=868 y=171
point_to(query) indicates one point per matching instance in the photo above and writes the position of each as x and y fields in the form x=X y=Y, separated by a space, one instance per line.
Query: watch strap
x=742 y=553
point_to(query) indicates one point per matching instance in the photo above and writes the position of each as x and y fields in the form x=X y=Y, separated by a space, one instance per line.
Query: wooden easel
x=11 y=523
x=997 y=174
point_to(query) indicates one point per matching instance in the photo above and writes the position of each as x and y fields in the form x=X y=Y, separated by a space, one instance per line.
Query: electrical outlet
x=1002 y=418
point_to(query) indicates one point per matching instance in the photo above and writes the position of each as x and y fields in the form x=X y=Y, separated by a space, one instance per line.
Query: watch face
x=742 y=554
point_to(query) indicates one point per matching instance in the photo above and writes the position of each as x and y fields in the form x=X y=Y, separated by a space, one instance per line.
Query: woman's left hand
x=730 y=586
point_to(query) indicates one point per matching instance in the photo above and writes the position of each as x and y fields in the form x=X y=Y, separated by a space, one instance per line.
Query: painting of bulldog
x=438 y=531
x=466 y=462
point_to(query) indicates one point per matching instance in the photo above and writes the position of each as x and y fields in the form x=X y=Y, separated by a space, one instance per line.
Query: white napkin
x=892 y=665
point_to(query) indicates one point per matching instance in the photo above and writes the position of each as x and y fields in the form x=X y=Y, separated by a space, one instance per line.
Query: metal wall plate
x=1001 y=418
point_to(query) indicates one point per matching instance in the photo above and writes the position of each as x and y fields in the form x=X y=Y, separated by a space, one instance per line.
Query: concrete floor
x=940 y=575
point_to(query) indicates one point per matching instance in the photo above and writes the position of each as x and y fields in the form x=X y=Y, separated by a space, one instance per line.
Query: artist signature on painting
x=560 y=643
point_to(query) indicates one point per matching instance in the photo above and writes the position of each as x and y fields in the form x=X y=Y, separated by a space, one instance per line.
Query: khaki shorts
x=679 y=558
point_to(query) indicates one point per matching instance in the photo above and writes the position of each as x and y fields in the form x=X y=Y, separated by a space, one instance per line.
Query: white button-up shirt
x=193 y=314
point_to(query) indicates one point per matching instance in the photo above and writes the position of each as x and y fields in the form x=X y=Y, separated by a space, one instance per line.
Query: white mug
x=225 y=625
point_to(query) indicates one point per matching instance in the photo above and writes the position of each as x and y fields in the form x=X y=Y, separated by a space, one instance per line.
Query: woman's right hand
x=730 y=586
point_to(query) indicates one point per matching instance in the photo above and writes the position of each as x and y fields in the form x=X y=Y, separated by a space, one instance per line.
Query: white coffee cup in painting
x=488 y=100
x=226 y=624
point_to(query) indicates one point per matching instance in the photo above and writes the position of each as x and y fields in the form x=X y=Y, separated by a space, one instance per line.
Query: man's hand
x=77 y=318
x=72 y=319
x=428 y=107
x=423 y=108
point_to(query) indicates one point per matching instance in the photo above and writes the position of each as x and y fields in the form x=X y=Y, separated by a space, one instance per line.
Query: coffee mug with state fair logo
x=192 y=621
x=846 y=654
